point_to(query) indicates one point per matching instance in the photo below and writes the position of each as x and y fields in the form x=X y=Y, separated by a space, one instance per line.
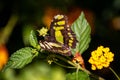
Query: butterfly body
x=61 y=38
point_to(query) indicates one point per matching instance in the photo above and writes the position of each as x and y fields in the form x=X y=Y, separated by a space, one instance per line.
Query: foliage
x=25 y=55
x=21 y=57
x=82 y=30
x=35 y=71
x=72 y=76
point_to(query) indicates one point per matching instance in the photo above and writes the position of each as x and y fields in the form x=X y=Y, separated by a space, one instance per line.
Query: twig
x=8 y=29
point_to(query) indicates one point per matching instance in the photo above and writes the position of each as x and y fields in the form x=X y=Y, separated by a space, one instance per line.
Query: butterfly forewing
x=62 y=32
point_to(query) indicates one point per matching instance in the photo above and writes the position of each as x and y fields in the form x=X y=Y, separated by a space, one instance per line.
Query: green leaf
x=21 y=57
x=26 y=31
x=33 y=39
x=77 y=76
x=82 y=30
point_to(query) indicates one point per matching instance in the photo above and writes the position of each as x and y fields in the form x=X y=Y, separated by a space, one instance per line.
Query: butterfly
x=61 y=38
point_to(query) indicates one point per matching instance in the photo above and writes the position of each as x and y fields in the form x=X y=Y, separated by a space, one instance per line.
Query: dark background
x=104 y=14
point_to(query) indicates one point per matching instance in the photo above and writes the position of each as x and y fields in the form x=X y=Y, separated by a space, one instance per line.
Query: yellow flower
x=43 y=31
x=93 y=67
x=3 y=56
x=99 y=66
x=106 y=64
x=100 y=58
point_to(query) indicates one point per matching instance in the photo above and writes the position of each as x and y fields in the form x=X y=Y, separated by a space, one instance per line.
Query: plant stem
x=66 y=60
x=114 y=73
x=75 y=65
x=77 y=73
x=4 y=35
x=64 y=65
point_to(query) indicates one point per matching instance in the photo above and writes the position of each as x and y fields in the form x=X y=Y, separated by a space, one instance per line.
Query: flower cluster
x=43 y=31
x=3 y=56
x=101 y=58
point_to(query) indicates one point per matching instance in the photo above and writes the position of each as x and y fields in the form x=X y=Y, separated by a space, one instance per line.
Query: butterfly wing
x=61 y=31
x=61 y=37
x=55 y=47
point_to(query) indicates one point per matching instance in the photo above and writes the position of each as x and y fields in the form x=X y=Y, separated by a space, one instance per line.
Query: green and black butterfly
x=61 y=38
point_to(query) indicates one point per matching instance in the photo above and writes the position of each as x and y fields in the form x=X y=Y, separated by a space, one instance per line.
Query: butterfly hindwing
x=55 y=47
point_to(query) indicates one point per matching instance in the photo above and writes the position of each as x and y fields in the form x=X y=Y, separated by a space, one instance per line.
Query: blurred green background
x=103 y=16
